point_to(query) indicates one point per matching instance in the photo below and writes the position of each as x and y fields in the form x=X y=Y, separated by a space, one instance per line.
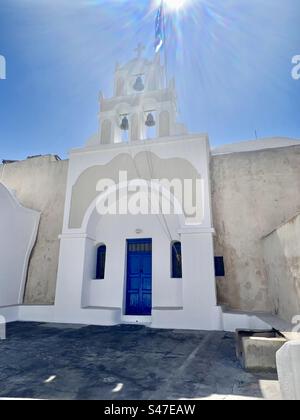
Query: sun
x=175 y=4
x=172 y=6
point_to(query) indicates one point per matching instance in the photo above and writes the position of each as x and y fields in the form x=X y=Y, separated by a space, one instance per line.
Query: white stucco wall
x=255 y=145
x=18 y=230
x=282 y=263
x=113 y=232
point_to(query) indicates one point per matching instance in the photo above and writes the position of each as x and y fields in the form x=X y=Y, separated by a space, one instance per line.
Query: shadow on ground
x=49 y=361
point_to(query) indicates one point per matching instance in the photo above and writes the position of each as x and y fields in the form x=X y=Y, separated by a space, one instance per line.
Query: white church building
x=157 y=265
x=138 y=241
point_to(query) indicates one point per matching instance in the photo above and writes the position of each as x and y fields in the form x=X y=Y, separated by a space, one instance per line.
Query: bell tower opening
x=139 y=84
x=144 y=105
x=150 y=125
x=124 y=126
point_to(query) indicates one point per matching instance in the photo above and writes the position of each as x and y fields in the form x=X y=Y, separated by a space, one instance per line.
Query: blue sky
x=231 y=59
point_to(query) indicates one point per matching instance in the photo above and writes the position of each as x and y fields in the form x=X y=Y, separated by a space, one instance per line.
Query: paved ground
x=125 y=362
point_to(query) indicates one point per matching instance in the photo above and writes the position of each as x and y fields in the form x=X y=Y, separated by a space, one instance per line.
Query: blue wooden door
x=139 y=277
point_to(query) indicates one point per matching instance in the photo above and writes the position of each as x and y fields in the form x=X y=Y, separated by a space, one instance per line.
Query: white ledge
x=194 y=230
x=76 y=235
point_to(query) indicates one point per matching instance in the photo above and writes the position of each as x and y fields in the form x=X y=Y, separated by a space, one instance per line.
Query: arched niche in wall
x=164 y=124
x=106 y=132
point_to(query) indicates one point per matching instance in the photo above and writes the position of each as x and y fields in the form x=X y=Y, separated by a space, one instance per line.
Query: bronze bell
x=150 y=122
x=139 y=85
x=124 y=124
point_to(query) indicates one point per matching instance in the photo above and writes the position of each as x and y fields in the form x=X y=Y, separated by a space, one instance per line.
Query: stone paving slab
x=62 y=362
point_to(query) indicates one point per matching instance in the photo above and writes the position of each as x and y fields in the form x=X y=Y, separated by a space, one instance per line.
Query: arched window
x=101 y=259
x=176 y=260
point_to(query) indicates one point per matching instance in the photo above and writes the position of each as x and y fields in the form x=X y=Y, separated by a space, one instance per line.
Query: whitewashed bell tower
x=139 y=136
x=143 y=106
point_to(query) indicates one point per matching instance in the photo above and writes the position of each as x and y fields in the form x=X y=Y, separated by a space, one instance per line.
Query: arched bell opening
x=150 y=124
x=139 y=83
x=124 y=127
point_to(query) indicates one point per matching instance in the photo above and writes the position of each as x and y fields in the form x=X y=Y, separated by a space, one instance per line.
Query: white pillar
x=71 y=276
x=199 y=288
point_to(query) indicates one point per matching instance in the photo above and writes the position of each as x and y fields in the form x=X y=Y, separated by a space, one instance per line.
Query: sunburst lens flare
x=175 y=4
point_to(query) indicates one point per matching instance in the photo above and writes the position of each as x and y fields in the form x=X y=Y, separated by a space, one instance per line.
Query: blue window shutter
x=219 y=267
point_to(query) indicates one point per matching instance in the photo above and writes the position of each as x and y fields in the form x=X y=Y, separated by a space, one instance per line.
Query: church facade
x=148 y=256
x=146 y=224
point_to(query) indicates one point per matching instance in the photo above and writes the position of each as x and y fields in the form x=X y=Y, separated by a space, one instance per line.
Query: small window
x=101 y=258
x=219 y=267
x=176 y=260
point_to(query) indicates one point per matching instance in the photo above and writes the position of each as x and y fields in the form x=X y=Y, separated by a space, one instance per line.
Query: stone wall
x=282 y=262
x=40 y=184
x=253 y=193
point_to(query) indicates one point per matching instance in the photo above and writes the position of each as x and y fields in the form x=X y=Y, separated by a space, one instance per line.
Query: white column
x=199 y=288
x=71 y=276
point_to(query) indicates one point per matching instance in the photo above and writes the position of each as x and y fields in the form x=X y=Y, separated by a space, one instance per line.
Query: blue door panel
x=147 y=300
x=134 y=263
x=134 y=284
x=146 y=284
x=134 y=301
x=139 y=277
x=146 y=264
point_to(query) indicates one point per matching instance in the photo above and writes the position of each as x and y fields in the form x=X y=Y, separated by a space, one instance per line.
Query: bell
x=150 y=122
x=139 y=85
x=124 y=124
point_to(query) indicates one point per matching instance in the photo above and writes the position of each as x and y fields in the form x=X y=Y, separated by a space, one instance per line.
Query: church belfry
x=144 y=105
